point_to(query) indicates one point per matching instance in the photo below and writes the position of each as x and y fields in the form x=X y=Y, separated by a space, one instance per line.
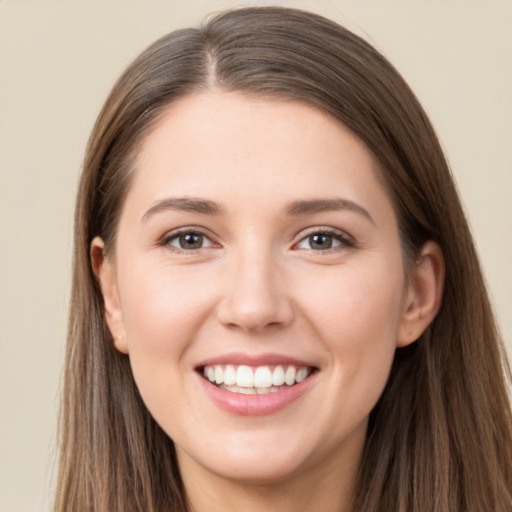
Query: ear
x=106 y=277
x=424 y=294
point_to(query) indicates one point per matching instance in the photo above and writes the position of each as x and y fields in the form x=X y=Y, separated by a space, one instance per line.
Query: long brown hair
x=440 y=437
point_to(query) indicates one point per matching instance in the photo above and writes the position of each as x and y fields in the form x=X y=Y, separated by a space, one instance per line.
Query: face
x=258 y=286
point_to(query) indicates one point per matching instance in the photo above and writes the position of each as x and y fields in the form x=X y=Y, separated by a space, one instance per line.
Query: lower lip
x=255 y=405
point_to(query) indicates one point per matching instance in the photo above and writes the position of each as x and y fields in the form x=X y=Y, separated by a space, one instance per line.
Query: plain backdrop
x=58 y=60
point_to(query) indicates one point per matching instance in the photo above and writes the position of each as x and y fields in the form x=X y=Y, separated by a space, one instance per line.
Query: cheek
x=163 y=308
x=356 y=316
x=356 y=302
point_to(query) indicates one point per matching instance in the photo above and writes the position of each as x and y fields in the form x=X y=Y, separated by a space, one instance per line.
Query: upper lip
x=268 y=359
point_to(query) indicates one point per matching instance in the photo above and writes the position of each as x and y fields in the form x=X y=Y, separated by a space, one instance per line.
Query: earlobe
x=105 y=275
x=425 y=291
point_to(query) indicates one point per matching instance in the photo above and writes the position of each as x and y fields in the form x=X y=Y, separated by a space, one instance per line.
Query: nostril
x=255 y=319
x=255 y=297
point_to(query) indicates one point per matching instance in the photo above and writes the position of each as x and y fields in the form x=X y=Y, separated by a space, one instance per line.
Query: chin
x=257 y=472
x=254 y=461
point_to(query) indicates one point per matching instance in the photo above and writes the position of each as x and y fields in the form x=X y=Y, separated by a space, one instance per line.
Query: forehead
x=228 y=146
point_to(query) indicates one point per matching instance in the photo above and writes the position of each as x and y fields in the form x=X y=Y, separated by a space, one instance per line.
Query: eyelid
x=346 y=240
x=165 y=240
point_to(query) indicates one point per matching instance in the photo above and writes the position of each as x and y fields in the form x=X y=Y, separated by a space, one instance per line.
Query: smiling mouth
x=258 y=380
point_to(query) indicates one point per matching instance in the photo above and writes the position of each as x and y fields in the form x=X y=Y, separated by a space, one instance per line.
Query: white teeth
x=278 y=376
x=263 y=377
x=301 y=375
x=261 y=380
x=247 y=391
x=219 y=374
x=289 y=376
x=230 y=375
x=244 y=377
x=252 y=391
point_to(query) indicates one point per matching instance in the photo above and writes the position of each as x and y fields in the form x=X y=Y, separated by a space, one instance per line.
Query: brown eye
x=320 y=241
x=325 y=240
x=189 y=241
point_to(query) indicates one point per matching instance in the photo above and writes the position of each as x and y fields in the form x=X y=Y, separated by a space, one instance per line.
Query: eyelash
x=175 y=235
x=344 y=241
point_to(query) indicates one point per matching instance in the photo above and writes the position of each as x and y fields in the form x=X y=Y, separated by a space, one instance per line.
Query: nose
x=255 y=296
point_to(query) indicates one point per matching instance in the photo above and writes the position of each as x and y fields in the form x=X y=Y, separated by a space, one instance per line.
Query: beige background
x=58 y=60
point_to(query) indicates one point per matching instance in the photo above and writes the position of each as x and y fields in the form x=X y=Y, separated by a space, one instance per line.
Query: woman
x=276 y=300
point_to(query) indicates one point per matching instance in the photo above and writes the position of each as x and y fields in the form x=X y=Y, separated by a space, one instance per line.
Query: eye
x=188 y=241
x=325 y=240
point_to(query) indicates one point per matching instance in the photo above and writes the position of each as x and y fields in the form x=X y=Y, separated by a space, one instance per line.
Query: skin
x=258 y=286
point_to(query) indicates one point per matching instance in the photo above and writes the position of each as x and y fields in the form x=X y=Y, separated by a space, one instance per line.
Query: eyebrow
x=296 y=208
x=188 y=204
x=311 y=206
